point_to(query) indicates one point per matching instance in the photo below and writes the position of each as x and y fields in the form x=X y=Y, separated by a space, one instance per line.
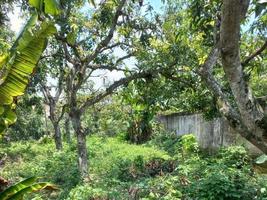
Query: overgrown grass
x=108 y=158
x=165 y=168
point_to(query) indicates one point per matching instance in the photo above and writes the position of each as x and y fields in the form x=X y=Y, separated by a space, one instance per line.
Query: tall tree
x=189 y=30
x=246 y=114
x=89 y=43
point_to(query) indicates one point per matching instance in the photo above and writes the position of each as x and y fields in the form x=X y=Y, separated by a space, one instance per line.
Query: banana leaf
x=17 y=67
x=26 y=186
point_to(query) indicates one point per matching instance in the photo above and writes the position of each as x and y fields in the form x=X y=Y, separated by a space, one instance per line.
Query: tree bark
x=57 y=136
x=227 y=110
x=67 y=130
x=81 y=144
x=251 y=113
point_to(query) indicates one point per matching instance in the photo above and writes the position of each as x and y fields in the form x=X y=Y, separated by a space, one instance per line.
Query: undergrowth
x=167 y=167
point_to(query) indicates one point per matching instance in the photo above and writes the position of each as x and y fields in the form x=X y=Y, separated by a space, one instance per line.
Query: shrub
x=161 y=187
x=223 y=184
x=35 y=159
x=167 y=141
x=86 y=191
x=188 y=145
x=234 y=156
x=62 y=169
x=128 y=170
x=30 y=120
x=174 y=144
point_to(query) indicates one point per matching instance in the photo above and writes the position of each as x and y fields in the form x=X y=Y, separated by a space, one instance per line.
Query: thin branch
x=67 y=53
x=262 y=98
x=113 y=46
x=73 y=46
x=256 y=53
x=107 y=39
x=112 y=66
x=106 y=67
x=51 y=55
x=63 y=111
x=44 y=91
x=124 y=58
x=59 y=85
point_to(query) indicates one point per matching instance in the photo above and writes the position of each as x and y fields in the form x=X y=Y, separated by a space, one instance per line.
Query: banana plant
x=29 y=185
x=17 y=66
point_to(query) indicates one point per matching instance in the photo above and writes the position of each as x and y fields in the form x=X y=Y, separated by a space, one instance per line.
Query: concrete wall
x=210 y=134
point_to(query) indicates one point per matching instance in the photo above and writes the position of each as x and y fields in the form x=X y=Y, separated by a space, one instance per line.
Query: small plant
x=188 y=145
x=224 y=184
x=86 y=191
x=234 y=156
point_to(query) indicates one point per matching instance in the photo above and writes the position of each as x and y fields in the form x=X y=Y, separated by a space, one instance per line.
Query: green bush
x=161 y=187
x=35 y=159
x=167 y=141
x=186 y=145
x=86 y=191
x=234 y=156
x=223 y=184
x=62 y=169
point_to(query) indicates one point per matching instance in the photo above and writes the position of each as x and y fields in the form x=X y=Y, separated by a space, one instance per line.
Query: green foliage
x=28 y=185
x=234 y=156
x=46 y=163
x=188 y=144
x=223 y=184
x=18 y=64
x=185 y=145
x=30 y=120
x=86 y=191
x=106 y=155
x=6 y=38
x=48 y=6
x=143 y=107
x=107 y=118
x=119 y=170
x=128 y=170
x=168 y=141
x=203 y=18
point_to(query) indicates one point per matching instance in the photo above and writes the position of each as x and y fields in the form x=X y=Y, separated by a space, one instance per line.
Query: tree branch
x=107 y=39
x=113 y=46
x=112 y=66
x=63 y=110
x=256 y=53
x=252 y=120
x=114 y=86
x=206 y=74
x=74 y=47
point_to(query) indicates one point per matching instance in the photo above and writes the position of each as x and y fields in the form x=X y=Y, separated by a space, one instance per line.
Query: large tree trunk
x=57 y=136
x=251 y=113
x=81 y=144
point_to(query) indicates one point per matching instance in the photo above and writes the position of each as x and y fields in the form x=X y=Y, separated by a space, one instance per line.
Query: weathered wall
x=210 y=134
